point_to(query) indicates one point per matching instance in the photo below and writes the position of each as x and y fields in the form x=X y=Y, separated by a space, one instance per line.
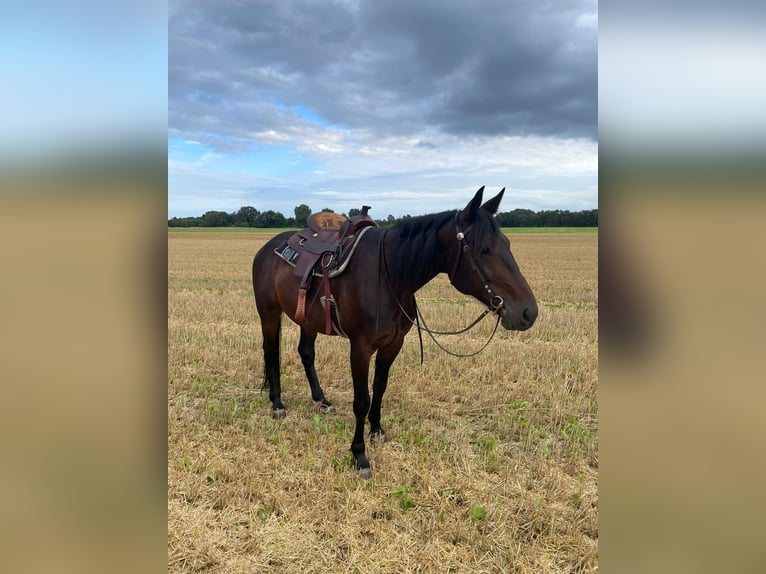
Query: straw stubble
x=490 y=465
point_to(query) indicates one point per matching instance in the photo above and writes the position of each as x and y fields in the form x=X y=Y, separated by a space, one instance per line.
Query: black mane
x=418 y=253
x=422 y=224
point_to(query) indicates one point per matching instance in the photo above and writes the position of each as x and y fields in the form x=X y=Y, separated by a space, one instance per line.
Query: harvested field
x=491 y=463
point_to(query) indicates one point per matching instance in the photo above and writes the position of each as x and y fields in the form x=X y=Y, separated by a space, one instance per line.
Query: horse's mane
x=423 y=224
x=418 y=251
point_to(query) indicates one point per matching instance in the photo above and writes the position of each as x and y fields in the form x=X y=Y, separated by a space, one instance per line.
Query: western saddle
x=323 y=248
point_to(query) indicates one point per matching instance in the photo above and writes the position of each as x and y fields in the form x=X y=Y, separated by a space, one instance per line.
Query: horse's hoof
x=365 y=473
x=378 y=436
x=325 y=406
x=278 y=414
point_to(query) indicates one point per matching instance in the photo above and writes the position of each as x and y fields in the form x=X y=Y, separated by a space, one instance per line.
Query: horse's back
x=263 y=268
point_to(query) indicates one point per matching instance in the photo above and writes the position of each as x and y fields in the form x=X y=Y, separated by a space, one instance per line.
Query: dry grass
x=491 y=462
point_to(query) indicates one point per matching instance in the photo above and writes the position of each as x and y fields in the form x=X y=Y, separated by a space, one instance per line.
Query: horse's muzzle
x=518 y=321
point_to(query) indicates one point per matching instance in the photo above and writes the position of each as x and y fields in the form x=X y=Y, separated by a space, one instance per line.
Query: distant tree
x=247 y=216
x=302 y=213
x=549 y=218
x=185 y=222
x=327 y=210
x=517 y=218
x=271 y=219
x=216 y=219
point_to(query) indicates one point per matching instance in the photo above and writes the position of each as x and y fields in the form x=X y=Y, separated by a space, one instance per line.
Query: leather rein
x=493 y=307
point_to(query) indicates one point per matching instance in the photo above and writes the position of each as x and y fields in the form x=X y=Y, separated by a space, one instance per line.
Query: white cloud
x=395 y=175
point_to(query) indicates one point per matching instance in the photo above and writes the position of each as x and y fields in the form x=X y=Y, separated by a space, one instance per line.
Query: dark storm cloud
x=391 y=67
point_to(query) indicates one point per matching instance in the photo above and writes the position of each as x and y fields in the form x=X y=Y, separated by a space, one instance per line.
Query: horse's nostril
x=529 y=315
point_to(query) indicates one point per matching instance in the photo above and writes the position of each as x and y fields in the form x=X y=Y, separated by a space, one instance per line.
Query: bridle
x=463 y=247
x=492 y=307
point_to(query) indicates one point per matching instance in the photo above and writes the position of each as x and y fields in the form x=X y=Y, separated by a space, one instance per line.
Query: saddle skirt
x=305 y=253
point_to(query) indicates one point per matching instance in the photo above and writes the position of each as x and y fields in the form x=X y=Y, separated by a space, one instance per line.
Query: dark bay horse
x=375 y=299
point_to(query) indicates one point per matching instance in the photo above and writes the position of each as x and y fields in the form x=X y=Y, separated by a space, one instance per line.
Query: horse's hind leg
x=306 y=351
x=271 y=329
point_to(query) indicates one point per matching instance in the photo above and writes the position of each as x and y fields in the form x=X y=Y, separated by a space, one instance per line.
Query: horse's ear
x=492 y=204
x=470 y=210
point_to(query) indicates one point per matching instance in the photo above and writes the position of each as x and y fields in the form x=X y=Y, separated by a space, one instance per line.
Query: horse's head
x=482 y=265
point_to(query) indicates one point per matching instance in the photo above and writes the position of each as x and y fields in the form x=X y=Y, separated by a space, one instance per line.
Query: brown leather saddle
x=323 y=248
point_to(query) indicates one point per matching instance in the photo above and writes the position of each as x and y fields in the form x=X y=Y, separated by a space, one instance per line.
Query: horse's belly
x=353 y=302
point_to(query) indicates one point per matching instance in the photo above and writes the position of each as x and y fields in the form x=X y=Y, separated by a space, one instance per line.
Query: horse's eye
x=485 y=251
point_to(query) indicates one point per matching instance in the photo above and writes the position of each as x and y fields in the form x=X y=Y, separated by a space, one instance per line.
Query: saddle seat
x=323 y=248
x=325 y=221
x=326 y=231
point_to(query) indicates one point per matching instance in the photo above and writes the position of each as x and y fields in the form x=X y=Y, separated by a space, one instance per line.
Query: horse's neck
x=413 y=261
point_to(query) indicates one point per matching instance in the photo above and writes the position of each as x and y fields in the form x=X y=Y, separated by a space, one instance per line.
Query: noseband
x=463 y=247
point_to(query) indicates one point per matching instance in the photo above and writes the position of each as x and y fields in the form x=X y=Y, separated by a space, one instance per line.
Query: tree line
x=248 y=216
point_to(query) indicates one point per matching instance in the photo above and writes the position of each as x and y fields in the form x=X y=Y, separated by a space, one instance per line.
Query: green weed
x=477 y=513
x=405 y=500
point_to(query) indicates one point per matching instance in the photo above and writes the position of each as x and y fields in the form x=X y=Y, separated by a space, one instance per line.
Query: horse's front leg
x=360 y=368
x=383 y=361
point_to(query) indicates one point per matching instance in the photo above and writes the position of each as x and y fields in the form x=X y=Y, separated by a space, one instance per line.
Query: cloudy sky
x=405 y=106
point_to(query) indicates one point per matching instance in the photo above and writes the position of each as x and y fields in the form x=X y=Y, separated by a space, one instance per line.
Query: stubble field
x=491 y=463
